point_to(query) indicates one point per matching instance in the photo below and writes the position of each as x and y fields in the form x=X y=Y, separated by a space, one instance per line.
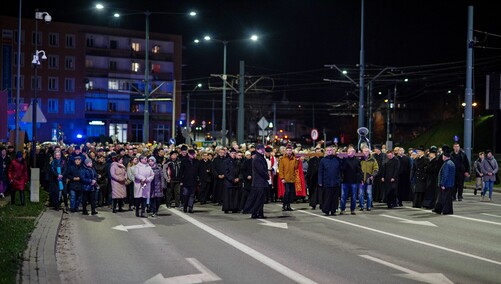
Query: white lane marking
x=147 y=224
x=278 y=267
x=432 y=278
x=407 y=221
x=492 y=215
x=459 y=217
x=406 y=238
x=205 y=275
x=490 y=203
x=272 y=224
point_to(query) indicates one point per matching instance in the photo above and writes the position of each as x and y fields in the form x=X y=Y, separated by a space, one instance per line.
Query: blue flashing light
x=79 y=136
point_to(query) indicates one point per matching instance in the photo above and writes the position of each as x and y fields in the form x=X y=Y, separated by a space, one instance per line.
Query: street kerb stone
x=39 y=264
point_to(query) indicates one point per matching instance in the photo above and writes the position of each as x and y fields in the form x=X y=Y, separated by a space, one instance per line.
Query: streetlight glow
x=207 y=37
x=344 y=72
x=406 y=80
x=116 y=15
x=254 y=37
x=99 y=6
x=193 y=13
x=196 y=40
x=199 y=85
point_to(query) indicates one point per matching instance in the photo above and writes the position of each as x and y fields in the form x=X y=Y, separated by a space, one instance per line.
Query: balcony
x=127 y=53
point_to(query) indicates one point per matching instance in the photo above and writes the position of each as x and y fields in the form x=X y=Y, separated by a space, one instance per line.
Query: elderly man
x=287 y=169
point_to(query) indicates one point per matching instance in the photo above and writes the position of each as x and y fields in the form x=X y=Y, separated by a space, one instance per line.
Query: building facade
x=92 y=82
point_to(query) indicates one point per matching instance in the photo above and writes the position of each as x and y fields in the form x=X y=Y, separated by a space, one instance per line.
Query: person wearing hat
x=191 y=171
x=446 y=181
x=75 y=184
x=254 y=204
x=418 y=177
x=431 y=172
x=18 y=176
x=157 y=192
x=171 y=172
x=77 y=152
x=143 y=175
x=88 y=176
x=490 y=171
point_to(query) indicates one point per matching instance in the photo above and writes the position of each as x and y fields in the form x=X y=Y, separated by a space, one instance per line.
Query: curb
x=40 y=265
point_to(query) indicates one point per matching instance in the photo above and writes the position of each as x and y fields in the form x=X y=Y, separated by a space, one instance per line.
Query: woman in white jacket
x=143 y=175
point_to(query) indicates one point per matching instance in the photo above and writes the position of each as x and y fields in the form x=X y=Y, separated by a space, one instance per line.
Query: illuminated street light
x=224 y=77
x=147 y=93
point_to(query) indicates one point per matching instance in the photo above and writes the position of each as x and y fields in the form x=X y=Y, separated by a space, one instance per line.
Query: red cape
x=300 y=183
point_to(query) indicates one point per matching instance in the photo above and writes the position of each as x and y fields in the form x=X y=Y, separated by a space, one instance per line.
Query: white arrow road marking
x=460 y=217
x=432 y=278
x=492 y=215
x=147 y=224
x=423 y=223
x=205 y=275
x=271 y=224
x=278 y=267
x=405 y=238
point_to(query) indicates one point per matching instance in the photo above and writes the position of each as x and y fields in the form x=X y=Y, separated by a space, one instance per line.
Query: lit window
x=135 y=67
x=113 y=84
x=135 y=46
x=156 y=49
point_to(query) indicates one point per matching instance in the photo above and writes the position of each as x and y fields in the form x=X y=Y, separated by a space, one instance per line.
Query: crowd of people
x=242 y=178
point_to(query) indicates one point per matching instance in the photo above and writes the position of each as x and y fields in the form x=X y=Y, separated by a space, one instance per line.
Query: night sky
x=297 y=38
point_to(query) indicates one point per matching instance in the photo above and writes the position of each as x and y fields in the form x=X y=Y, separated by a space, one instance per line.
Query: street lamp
x=224 y=77
x=188 y=119
x=147 y=94
x=36 y=62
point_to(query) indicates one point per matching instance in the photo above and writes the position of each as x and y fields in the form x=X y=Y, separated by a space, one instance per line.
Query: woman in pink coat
x=143 y=175
x=118 y=174
x=18 y=176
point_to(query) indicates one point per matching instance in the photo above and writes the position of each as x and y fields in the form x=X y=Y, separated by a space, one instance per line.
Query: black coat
x=260 y=173
x=352 y=171
x=4 y=167
x=245 y=172
x=72 y=173
x=190 y=172
x=231 y=172
x=390 y=170
x=419 y=174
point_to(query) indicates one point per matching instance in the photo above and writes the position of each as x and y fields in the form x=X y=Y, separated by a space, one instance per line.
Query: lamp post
x=224 y=77
x=188 y=139
x=36 y=62
x=147 y=94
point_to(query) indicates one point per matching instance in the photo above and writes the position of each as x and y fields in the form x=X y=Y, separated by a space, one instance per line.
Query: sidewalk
x=39 y=265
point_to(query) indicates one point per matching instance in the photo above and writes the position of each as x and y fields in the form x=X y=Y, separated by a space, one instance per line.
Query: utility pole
x=241 y=110
x=361 y=84
x=468 y=92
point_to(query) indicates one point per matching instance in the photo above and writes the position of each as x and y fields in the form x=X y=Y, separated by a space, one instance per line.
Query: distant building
x=92 y=82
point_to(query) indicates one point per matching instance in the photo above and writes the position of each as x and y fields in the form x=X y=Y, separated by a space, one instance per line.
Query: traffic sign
x=262 y=123
x=314 y=134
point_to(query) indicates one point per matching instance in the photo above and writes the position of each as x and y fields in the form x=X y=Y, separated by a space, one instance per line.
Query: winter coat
x=231 y=172
x=190 y=172
x=447 y=174
x=370 y=167
x=4 y=167
x=287 y=168
x=329 y=171
x=352 y=171
x=419 y=174
x=87 y=175
x=18 y=174
x=53 y=173
x=102 y=172
x=73 y=176
x=489 y=166
x=156 y=183
x=118 y=175
x=260 y=173
x=142 y=173
x=461 y=162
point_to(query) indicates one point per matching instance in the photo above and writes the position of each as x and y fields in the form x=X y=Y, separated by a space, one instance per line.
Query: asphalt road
x=402 y=245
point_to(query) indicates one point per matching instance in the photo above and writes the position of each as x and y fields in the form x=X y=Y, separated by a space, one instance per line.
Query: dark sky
x=298 y=37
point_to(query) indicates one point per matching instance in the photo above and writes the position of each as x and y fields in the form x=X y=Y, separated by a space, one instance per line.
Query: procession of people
x=242 y=178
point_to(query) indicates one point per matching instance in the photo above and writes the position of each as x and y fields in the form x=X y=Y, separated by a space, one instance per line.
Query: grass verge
x=16 y=225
